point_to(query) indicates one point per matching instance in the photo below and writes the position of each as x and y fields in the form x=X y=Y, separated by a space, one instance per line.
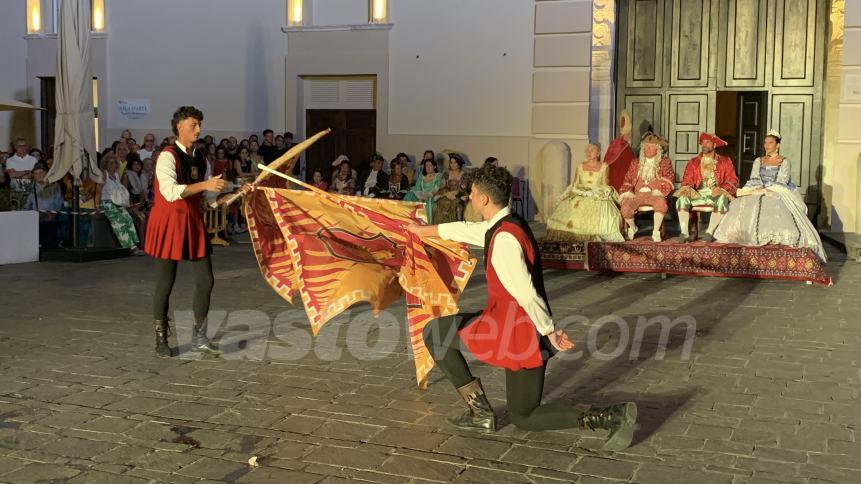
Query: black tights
x=523 y=388
x=166 y=275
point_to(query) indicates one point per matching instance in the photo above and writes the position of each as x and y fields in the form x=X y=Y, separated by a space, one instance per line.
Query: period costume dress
x=399 y=186
x=375 y=184
x=511 y=333
x=587 y=210
x=176 y=232
x=619 y=154
x=777 y=217
x=709 y=181
x=446 y=209
x=648 y=183
x=423 y=191
x=662 y=181
x=343 y=186
x=469 y=213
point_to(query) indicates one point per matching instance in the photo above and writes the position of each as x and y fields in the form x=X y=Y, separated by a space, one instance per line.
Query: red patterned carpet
x=563 y=255
x=694 y=259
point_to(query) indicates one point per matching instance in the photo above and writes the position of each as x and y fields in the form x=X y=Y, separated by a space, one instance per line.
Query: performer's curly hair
x=495 y=182
x=185 y=112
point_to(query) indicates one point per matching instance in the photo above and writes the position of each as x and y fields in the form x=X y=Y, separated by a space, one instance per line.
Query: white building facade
x=481 y=77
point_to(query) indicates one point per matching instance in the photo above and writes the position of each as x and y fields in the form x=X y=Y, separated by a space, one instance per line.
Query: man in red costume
x=515 y=331
x=619 y=154
x=176 y=230
x=648 y=182
x=709 y=181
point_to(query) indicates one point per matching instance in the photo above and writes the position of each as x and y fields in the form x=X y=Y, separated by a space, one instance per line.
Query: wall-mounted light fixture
x=34 y=17
x=377 y=12
x=295 y=12
x=98 y=10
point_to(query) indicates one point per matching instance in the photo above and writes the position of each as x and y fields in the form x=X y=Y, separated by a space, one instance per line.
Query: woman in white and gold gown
x=588 y=210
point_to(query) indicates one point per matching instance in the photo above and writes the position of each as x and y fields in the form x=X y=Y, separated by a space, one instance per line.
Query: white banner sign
x=133 y=108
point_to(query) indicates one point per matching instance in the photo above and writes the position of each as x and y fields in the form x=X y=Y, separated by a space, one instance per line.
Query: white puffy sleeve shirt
x=509 y=262
x=165 y=172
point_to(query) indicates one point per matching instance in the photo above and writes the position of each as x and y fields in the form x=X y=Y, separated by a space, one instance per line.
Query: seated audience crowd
x=124 y=194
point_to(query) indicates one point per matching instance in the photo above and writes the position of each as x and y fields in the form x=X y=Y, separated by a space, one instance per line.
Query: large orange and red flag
x=335 y=251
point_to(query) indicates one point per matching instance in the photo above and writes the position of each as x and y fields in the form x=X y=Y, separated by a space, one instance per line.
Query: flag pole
x=290 y=156
x=429 y=242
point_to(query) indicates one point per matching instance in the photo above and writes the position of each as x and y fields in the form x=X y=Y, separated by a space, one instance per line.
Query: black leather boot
x=480 y=415
x=162 y=331
x=199 y=340
x=619 y=419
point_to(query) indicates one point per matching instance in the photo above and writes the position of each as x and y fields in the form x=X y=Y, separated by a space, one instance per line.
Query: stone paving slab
x=765 y=389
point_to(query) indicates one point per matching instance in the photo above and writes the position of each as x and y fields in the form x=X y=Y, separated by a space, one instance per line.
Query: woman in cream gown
x=588 y=210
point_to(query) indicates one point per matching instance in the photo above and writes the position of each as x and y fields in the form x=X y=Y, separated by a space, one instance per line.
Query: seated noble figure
x=587 y=210
x=648 y=182
x=769 y=209
x=451 y=197
x=426 y=186
x=709 y=181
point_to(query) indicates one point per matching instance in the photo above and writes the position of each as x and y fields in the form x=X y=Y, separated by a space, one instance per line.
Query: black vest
x=535 y=270
x=194 y=164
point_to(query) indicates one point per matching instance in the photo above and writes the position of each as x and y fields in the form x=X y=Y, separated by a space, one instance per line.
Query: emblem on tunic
x=194 y=173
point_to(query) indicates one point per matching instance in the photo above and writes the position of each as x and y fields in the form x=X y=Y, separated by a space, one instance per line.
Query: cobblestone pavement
x=768 y=392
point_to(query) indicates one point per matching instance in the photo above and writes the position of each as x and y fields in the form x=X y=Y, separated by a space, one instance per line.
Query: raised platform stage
x=692 y=259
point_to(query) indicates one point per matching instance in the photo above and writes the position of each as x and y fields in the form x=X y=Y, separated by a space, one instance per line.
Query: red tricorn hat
x=714 y=139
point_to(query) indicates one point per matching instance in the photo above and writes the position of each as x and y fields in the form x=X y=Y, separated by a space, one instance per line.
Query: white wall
x=13 y=73
x=842 y=176
x=451 y=74
x=228 y=61
x=461 y=67
x=336 y=53
x=339 y=12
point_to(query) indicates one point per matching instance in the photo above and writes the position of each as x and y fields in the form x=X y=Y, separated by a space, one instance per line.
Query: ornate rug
x=562 y=255
x=700 y=259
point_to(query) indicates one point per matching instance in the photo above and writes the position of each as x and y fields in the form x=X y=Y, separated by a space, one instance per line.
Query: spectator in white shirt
x=148 y=147
x=19 y=166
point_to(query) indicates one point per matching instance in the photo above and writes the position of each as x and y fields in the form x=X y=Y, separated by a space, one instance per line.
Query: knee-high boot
x=200 y=341
x=162 y=331
x=480 y=414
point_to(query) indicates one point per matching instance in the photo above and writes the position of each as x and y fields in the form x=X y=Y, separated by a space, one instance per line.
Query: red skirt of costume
x=503 y=335
x=176 y=230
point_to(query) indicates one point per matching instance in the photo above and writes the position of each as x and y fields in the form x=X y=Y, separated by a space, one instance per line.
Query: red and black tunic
x=176 y=229
x=503 y=335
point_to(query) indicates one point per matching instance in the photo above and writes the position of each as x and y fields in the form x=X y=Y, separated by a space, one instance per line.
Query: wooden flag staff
x=287 y=160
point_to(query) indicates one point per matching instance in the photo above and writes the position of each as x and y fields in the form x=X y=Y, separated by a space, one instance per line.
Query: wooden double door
x=354 y=133
x=674 y=56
